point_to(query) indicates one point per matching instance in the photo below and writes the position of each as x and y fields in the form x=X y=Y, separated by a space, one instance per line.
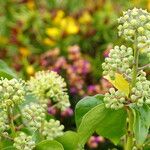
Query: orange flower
x=24 y=51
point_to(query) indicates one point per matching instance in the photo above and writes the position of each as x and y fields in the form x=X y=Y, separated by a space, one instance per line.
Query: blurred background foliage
x=71 y=37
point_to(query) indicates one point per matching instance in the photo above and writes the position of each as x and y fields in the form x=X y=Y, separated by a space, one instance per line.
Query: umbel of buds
x=114 y=99
x=48 y=85
x=3 y=121
x=136 y=21
x=34 y=115
x=120 y=60
x=12 y=92
x=132 y=21
x=24 y=142
x=141 y=91
x=52 y=129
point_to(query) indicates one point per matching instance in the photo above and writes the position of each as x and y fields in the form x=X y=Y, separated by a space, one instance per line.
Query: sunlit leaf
x=120 y=83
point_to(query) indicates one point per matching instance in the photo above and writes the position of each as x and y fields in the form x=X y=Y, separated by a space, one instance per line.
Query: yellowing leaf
x=120 y=83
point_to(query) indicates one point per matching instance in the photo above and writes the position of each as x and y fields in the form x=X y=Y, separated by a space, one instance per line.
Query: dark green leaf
x=85 y=105
x=49 y=145
x=69 y=140
x=141 y=123
x=106 y=122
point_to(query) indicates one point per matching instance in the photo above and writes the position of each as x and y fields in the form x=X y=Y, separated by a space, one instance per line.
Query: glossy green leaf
x=5 y=71
x=141 y=123
x=49 y=145
x=69 y=140
x=106 y=122
x=85 y=105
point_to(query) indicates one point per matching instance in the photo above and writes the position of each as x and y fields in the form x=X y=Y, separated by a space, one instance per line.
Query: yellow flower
x=49 y=42
x=59 y=16
x=24 y=51
x=69 y=25
x=30 y=70
x=53 y=32
x=85 y=18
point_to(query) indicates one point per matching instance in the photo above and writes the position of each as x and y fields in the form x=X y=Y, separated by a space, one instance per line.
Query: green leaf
x=5 y=71
x=6 y=144
x=9 y=148
x=141 y=123
x=86 y=104
x=69 y=140
x=49 y=145
x=106 y=122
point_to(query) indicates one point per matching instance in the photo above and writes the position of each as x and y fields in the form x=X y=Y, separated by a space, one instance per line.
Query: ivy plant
x=24 y=124
x=122 y=114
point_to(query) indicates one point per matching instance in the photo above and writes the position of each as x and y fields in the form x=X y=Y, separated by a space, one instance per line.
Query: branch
x=144 y=67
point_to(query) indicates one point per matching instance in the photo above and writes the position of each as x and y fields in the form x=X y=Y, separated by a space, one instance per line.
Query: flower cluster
x=120 y=60
x=3 y=121
x=34 y=115
x=48 y=85
x=114 y=99
x=12 y=92
x=24 y=142
x=134 y=22
x=94 y=141
x=77 y=71
x=141 y=91
x=52 y=129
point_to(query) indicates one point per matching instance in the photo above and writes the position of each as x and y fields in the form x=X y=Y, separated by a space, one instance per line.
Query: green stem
x=10 y=118
x=135 y=65
x=129 y=134
x=20 y=113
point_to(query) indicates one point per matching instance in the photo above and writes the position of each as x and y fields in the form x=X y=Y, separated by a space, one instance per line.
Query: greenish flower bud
x=52 y=129
x=141 y=30
x=24 y=142
x=141 y=91
x=132 y=21
x=114 y=99
x=120 y=59
x=10 y=94
x=33 y=115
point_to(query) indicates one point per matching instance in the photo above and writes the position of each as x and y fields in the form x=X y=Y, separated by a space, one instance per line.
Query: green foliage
x=49 y=145
x=85 y=105
x=69 y=140
x=141 y=123
x=99 y=120
x=5 y=71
